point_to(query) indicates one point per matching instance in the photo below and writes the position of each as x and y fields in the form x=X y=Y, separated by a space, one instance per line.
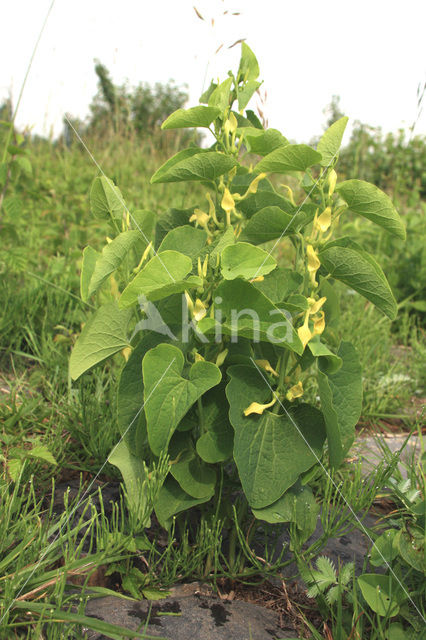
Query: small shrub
x=221 y=339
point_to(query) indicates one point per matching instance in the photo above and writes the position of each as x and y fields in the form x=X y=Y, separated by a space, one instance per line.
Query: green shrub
x=220 y=339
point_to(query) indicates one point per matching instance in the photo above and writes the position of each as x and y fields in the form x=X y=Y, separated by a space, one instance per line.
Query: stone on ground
x=190 y=614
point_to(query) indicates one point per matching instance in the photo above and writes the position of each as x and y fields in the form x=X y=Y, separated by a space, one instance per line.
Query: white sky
x=370 y=52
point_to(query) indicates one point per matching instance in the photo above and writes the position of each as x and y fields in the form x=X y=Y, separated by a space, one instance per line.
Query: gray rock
x=350 y=547
x=186 y=615
x=373 y=450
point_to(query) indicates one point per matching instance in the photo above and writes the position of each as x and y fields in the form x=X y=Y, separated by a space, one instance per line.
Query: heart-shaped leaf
x=267 y=224
x=162 y=276
x=292 y=157
x=215 y=444
x=265 y=198
x=249 y=66
x=369 y=201
x=106 y=200
x=219 y=97
x=194 y=476
x=270 y=450
x=330 y=142
x=328 y=361
x=196 y=117
x=172 y=500
x=242 y=311
x=169 y=396
x=346 y=261
x=103 y=335
x=207 y=165
x=90 y=257
x=130 y=414
x=382 y=593
x=109 y=260
x=246 y=261
x=263 y=142
x=279 y=284
x=245 y=93
x=186 y=239
x=297 y=505
x=131 y=468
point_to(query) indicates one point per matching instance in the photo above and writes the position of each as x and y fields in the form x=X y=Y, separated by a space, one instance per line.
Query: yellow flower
x=200 y=218
x=324 y=220
x=205 y=265
x=295 y=392
x=265 y=364
x=313 y=263
x=212 y=208
x=146 y=252
x=227 y=203
x=221 y=357
x=232 y=173
x=199 y=310
x=315 y=305
x=319 y=324
x=255 y=183
x=189 y=302
x=202 y=268
x=231 y=124
x=255 y=407
x=304 y=332
x=290 y=194
x=332 y=179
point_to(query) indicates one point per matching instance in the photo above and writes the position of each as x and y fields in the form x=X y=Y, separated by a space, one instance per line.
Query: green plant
x=400 y=549
x=39 y=554
x=393 y=161
x=15 y=167
x=387 y=600
x=215 y=372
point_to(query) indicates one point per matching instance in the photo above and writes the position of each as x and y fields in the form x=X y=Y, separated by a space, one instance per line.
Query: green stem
x=283 y=369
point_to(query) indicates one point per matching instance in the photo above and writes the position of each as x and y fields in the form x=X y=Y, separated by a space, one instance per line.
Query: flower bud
x=221 y=357
x=304 y=332
x=189 y=303
x=205 y=265
x=266 y=365
x=255 y=183
x=295 y=392
x=313 y=263
x=227 y=203
x=332 y=179
x=290 y=194
x=319 y=324
x=199 y=310
x=324 y=220
x=212 y=208
x=315 y=305
x=200 y=218
x=255 y=407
